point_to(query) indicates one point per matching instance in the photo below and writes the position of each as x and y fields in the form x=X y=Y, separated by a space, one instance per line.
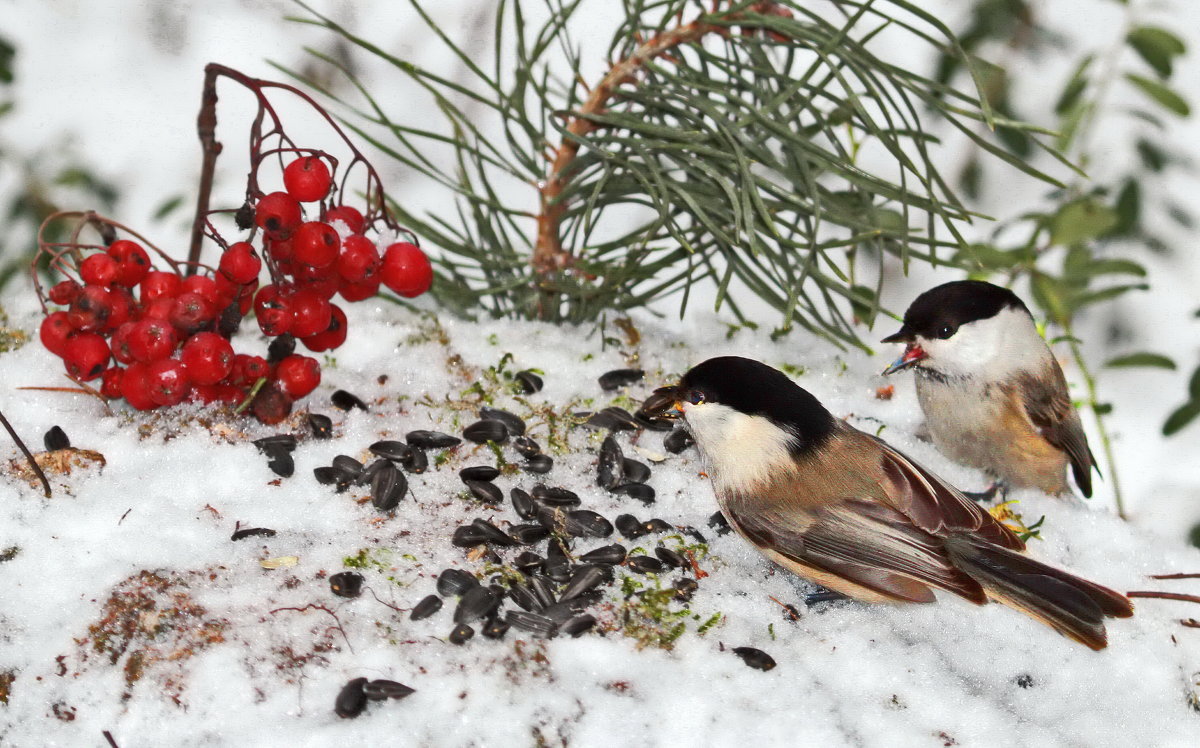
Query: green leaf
x=1194 y=384
x=1160 y=93
x=1155 y=360
x=1182 y=416
x=1074 y=88
x=1050 y=296
x=168 y=207
x=1128 y=207
x=1157 y=46
x=1081 y=220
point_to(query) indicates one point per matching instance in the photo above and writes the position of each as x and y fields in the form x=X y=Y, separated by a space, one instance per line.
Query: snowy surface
x=172 y=490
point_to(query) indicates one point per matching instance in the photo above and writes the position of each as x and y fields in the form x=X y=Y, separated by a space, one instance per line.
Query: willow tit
x=845 y=510
x=993 y=395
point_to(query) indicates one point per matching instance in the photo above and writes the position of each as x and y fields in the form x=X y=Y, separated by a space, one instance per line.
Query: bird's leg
x=989 y=493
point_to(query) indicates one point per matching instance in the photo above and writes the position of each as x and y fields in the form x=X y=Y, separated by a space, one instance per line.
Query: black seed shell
x=585 y=578
x=511 y=421
x=492 y=534
x=528 y=560
x=718 y=523
x=526 y=446
x=534 y=623
x=485 y=491
x=671 y=557
x=538 y=464
x=605 y=554
x=524 y=596
x=523 y=503
x=582 y=522
x=461 y=634
x=379 y=690
x=658 y=525
x=639 y=491
x=346 y=584
x=611 y=380
x=273 y=444
x=429 y=605
x=249 y=532
x=529 y=534
x=482 y=432
x=352 y=699
x=678 y=440
x=755 y=658
x=466 y=536
x=455 y=582
x=610 y=468
x=528 y=381
x=431 y=439
x=630 y=526
x=579 y=624
x=350 y=468
x=346 y=401
x=685 y=588
x=416 y=462
x=326 y=476
x=390 y=449
x=556 y=496
x=282 y=465
x=280 y=348
x=321 y=425
x=645 y=564
x=477 y=602
x=388 y=486
x=495 y=628
x=543 y=589
x=636 y=472
x=479 y=472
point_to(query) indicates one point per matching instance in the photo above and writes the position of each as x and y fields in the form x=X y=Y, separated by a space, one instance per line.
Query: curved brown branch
x=549 y=256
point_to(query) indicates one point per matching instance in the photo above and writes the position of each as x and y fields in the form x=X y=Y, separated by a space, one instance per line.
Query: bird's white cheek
x=740 y=451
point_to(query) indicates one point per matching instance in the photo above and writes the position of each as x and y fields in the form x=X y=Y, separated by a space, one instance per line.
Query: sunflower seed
x=526 y=447
x=694 y=534
x=352 y=699
x=374 y=467
x=488 y=493
x=579 y=624
x=611 y=380
x=321 y=425
x=249 y=532
x=466 y=536
x=564 y=610
x=614 y=419
x=528 y=534
x=388 y=486
x=390 y=449
x=523 y=596
x=475 y=603
x=718 y=523
x=482 y=432
x=678 y=440
x=671 y=557
x=605 y=554
x=431 y=439
x=657 y=525
x=346 y=584
x=652 y=424
x=755 y=658
x=610 y=469
x=534 y=623
x=586 y=522
x=585 y=578
x=416 y=461
x=511 y=421
x=455 y=582
x=349 y=467
x=660 y=402
x=523 y=503
x=630 y=526
x=273 y=444
x=495 y=628
x=282 y=465
x=479 y=472
x=461 y=634
x=645 y=564
x=429 y=605
x=635 y=472
x=492 y=534
x=538 y=464
x=528 y=381
x=326 y=476
x=528 y=560
x=685 y=588
x=639 y=491
x=380 y=690
x=543 y=589
x=345 y=401
x=556 y=496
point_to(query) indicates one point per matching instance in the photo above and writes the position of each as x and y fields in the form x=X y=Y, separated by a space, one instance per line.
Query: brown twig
x=1191 y=623
x=1175 y=576
x=314 y=606
x=790 y=610
x=37 y=469
x=108 y=737
x=1166 y=596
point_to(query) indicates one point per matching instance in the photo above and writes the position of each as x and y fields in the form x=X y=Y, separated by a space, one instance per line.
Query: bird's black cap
x=753 y=388
x=940 y=311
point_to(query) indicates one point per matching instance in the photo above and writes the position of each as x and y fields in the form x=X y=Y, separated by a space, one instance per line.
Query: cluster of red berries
x=169 y=334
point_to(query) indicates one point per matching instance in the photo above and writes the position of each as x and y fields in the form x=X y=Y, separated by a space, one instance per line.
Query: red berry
x=133 y=264
x=203 y=285
x=99 y=270
x=135 y=386
x=240 y=263
x=322 y=281
x=152 y=340
x=310 y=312
x=55 y=330
x=124 y=307
x=278 y=214
x=358 y=291
x=359 y=259
x=86 y=355
x=271 y=404
x=120 y=343
x=248 y=369
x=91 y=309
x=347 y=215
x=227 y=291
x=333 y=336
x=298 y=375
x=267 y=297
x=191 y=313
x=208 y=357
x=159 y=308
x=316 y=244
x=110 y=383
x=278 y=249
x=275 y=321
x=406 y=269
x=245 y=298
x=307 y=179
x=159 y=284
x=64 y=292
x=168 y=381
x=216 y=393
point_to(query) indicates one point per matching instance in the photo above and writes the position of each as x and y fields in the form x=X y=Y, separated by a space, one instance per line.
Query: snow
x=847 y=674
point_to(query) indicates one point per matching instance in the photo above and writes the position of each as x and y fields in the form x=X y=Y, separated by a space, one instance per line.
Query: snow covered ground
x=206 y=661
x=173 y=490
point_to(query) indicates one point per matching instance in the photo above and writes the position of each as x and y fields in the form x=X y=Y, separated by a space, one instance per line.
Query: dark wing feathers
x=1049 y=409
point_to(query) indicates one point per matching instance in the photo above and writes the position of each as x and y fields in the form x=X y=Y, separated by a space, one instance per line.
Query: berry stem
x=37 y=469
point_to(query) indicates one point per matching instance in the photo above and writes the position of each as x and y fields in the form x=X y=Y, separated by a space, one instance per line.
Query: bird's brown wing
x=934 y=505
x=1048 y=406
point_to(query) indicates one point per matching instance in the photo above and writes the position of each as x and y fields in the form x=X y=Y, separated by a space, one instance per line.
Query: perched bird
x=844 y=509
x=993 y=395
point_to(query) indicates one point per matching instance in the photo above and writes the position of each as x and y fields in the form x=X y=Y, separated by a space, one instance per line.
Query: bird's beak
x=663 y=404
x=913 y=354
x=903 y=335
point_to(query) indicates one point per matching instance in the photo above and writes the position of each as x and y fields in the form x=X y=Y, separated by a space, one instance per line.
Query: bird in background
x=844 y=509
x=993 y=395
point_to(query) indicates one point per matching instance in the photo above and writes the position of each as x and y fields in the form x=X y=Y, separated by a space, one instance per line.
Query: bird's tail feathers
x=1071 y=605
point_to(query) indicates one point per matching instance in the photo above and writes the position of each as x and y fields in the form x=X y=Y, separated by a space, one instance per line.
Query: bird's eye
x=695 y=397
x=946 y=331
